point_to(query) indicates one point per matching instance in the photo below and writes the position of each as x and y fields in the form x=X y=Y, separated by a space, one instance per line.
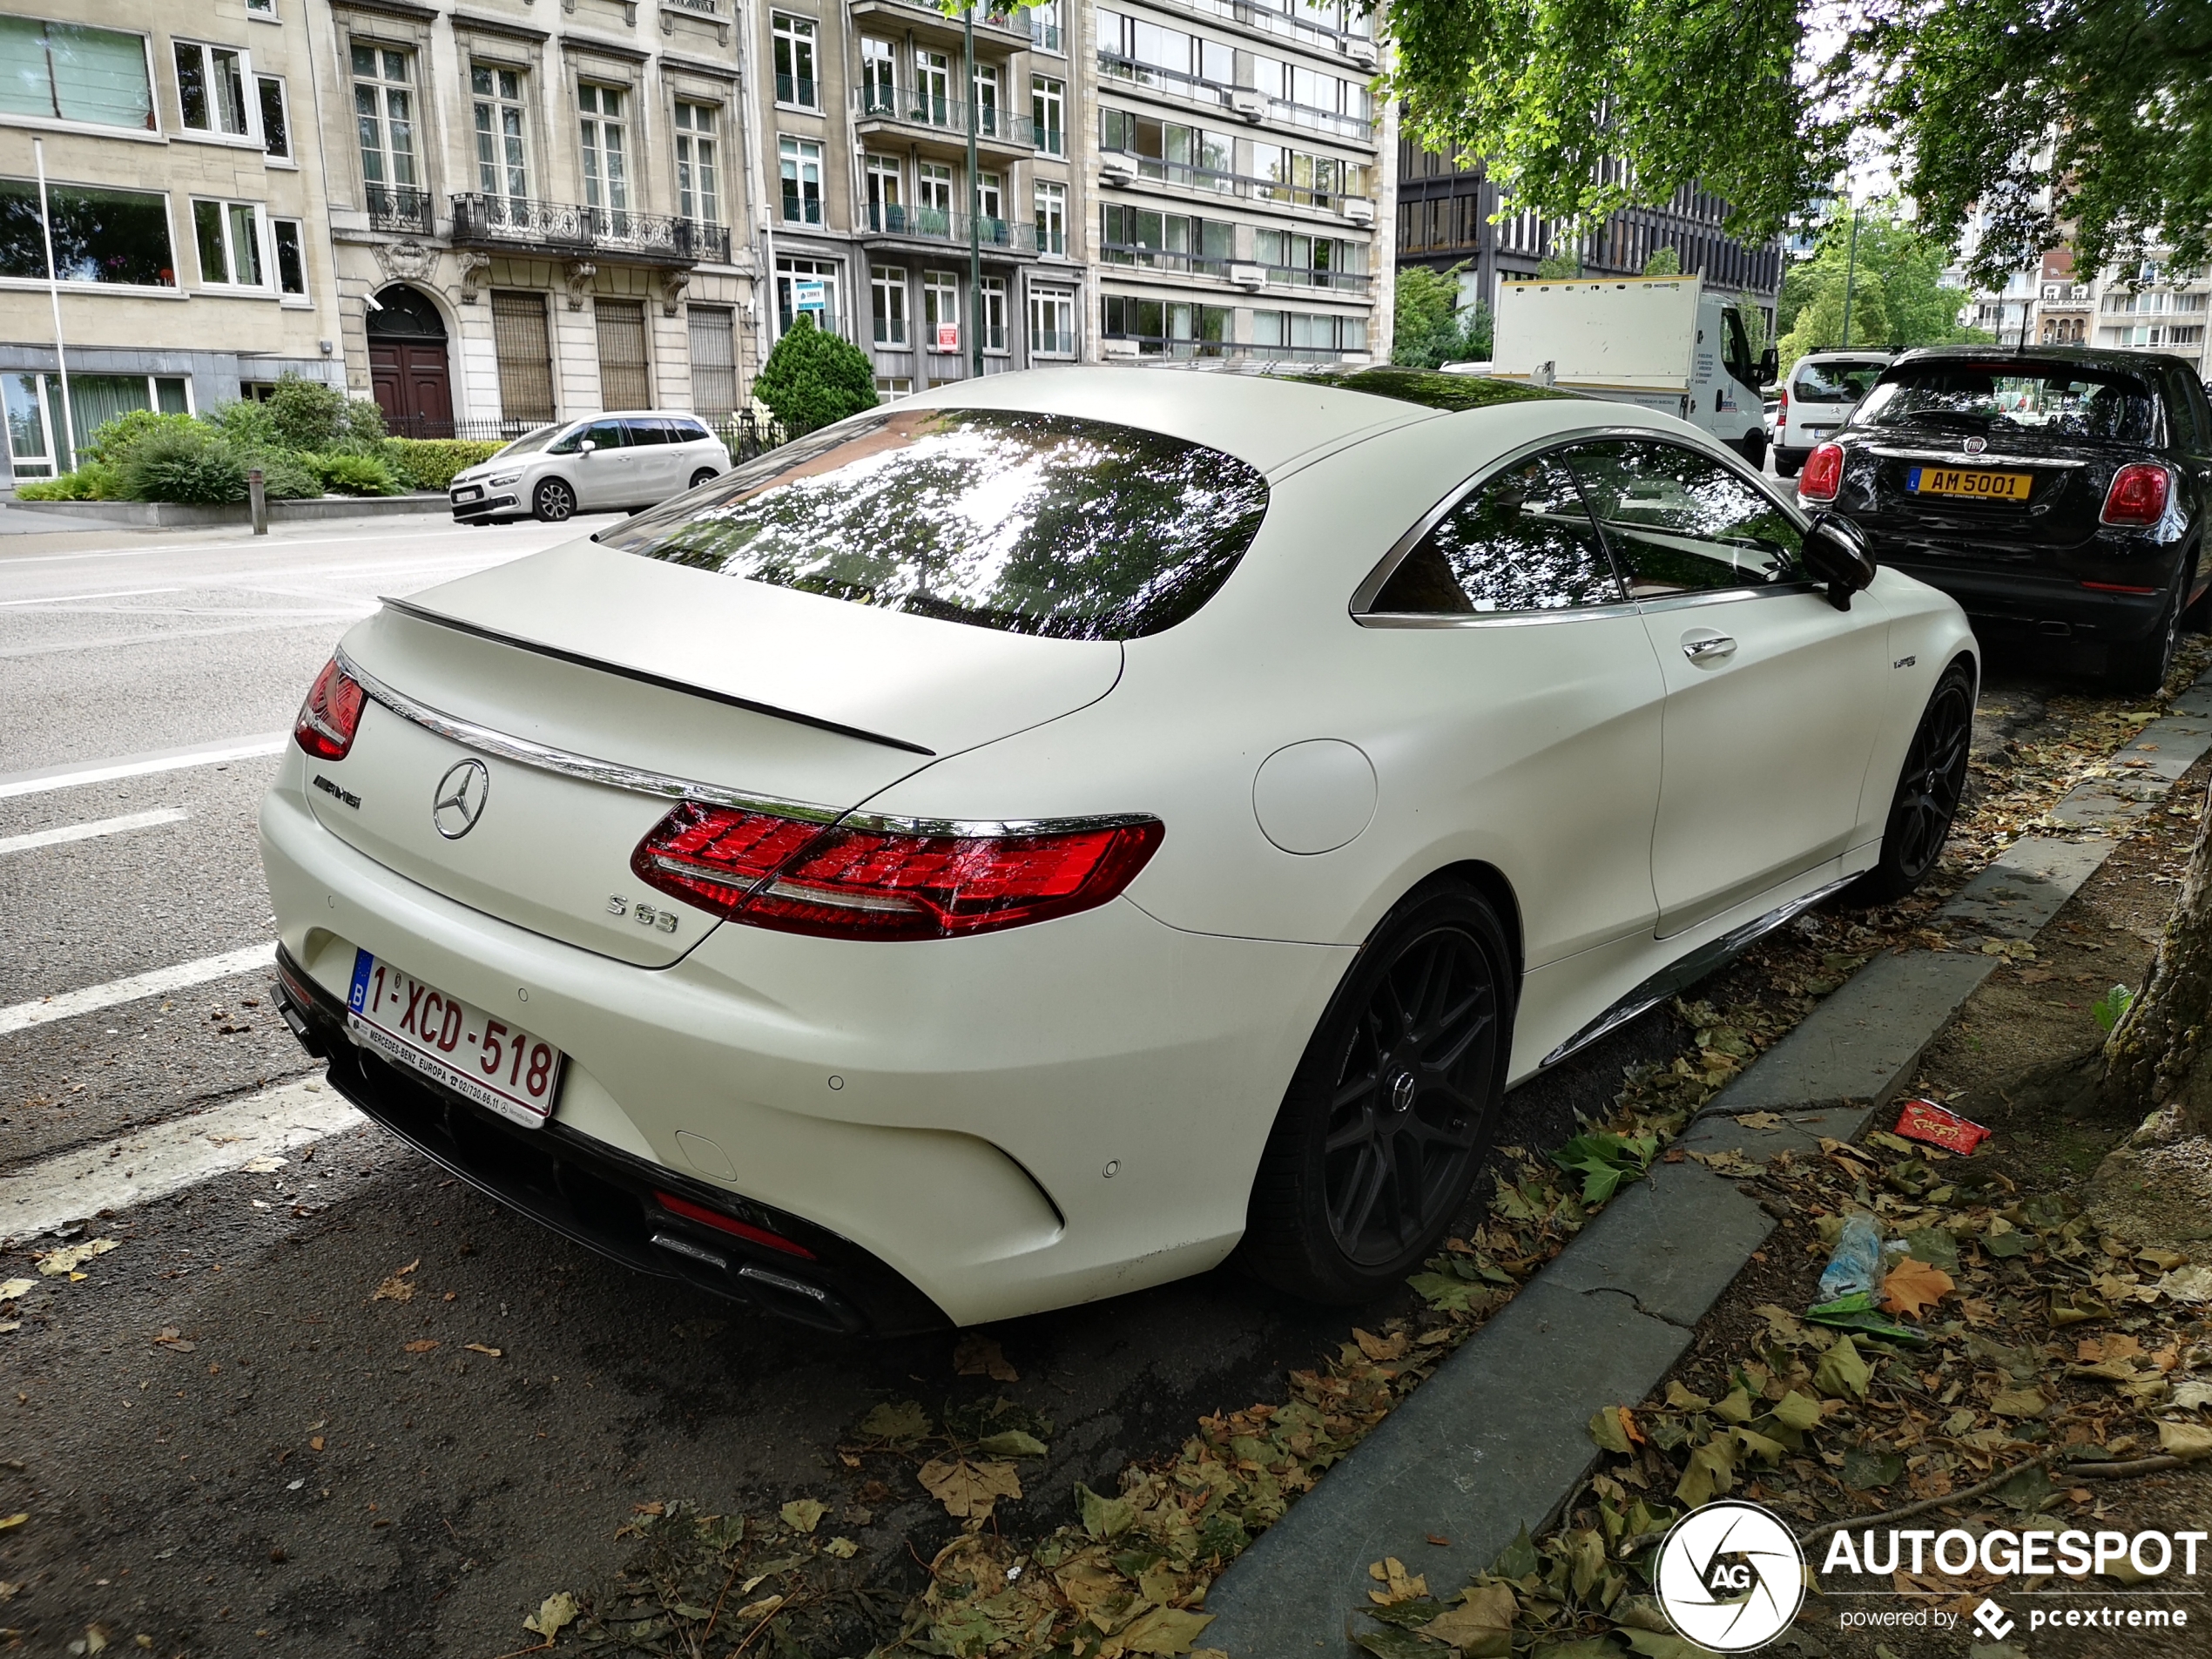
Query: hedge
x=433 y=461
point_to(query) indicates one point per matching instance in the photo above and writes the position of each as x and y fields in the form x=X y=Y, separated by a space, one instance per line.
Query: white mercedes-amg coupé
x=1033 y=840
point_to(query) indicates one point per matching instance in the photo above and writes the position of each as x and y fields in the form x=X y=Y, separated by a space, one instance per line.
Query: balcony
x=941 y=228
x=400 y=208
x=1244 y=102
x=1131 y=166
x=512 y=224
x=1304 y=276
x=1001 y=31
x=1161 y=259
x=943 y=120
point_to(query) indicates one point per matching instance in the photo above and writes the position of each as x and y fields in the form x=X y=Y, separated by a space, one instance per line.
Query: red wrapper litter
x=1923 y=1120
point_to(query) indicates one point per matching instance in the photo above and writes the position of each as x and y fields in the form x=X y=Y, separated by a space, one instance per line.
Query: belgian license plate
x=467 y=492
x=1978 y=482
x=501 y=1067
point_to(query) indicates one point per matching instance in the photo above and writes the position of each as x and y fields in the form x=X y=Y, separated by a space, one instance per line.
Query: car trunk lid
x=2065 y=489
x=597 y=688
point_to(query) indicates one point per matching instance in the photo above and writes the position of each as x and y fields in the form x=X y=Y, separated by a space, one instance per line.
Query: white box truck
x=1661 y=342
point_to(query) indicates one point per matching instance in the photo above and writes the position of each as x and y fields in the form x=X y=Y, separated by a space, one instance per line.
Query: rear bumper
x=606 y=1199
x=2054 y=606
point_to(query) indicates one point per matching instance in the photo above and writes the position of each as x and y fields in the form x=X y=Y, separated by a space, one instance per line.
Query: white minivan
x=627 y=460
x=1824 y=388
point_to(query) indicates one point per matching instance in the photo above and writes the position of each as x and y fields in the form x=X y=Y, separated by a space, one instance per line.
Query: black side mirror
x=1769 y=364
x=1837 y=552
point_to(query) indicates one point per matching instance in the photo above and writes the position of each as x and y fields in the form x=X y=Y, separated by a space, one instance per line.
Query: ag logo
x=460 y=799
x=1730 y=1577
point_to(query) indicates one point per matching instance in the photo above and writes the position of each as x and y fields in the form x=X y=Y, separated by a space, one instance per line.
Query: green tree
x=1563 y=265
x=1664 y=262
x=2091 y=115
x=1432 y=327
x=813 y=377
x=1898 y=298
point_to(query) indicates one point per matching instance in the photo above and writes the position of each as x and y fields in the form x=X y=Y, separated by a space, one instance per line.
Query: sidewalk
x=1496 y=1440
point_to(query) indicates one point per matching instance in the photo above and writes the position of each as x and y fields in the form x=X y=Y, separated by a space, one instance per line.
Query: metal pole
x=68 y=445
x=257 y=499
x=975 y=206
x=1850 y=270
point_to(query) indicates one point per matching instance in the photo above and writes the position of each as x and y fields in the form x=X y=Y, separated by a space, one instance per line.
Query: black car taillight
x=2138 y=495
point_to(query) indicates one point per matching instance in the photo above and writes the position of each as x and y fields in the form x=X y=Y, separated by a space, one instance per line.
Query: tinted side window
x=1682 y=523
x=2181 y=412
x=648 y=432
x=604 y=434
x=1522 y=541
x=686 y=431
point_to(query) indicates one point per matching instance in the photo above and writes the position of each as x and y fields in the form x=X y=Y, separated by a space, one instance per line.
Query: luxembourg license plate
x=501 y=1067
x=1976 y=483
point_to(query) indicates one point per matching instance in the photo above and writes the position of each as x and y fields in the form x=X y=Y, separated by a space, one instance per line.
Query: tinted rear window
x=1030 y=523
x=2066 y=400
x=1835 y=382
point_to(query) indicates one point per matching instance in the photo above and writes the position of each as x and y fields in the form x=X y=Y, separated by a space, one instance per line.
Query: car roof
x=1853 y=353
x=2130 y=362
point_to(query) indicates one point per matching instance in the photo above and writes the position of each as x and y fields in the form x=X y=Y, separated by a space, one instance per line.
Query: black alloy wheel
x=1393 y=1107
x=704 y=476
x=1928 y=791
x=554 y=502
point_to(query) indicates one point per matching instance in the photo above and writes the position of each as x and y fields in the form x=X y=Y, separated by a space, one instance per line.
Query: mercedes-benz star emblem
x=460 y=800
x=1975 y=446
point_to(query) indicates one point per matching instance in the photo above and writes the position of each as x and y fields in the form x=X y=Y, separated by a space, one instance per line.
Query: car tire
x=1787 y=465
x=704 y=476
x=553 y=502
x=2138 y=667
x=1928 y=791
x=1752 y=448
x=1392 y=1108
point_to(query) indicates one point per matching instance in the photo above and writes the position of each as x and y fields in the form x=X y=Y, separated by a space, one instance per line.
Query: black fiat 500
x=2059 y=492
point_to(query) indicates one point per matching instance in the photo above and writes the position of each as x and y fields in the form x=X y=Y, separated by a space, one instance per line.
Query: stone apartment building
x=184 y=190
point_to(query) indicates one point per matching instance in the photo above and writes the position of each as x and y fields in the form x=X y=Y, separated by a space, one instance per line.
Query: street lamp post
x=1850 y=270
x=975 y=206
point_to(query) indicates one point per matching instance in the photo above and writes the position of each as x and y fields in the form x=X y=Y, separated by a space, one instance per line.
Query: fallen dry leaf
x=10 y=1289
x=315 y=1445
x=968 y=1488
x=803 y=1514
x=554 y=1615
x=1914 y=1286
x=1397 y=1584
x=478 y=1347
x=979 y=1355
x=759 y=1610
x=69 y=1257
x=423 y=1346
x=1381 y=1349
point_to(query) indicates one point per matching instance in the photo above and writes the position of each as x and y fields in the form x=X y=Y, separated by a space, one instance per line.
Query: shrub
x=284 y=477
x=246 y=423
x=813 y=377
x=433 y=461
x=354 y=475
x=306 y=414
x=112 y=440
x=94 y=481
x=364 y=421
x=189 y=462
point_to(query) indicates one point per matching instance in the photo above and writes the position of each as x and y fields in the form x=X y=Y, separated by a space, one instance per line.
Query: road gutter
x=1497 y=1440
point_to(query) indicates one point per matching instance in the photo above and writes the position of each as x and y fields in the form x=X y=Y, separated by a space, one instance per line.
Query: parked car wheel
x=2140 y=665
x=1752 y=446
x=1393 y=1107
x=1928 y=791
x=1787 y=465
x=704 y=476
x=553 y=500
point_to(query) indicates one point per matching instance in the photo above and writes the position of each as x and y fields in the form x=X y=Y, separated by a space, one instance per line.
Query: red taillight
x=729 y=1225
x=851 y=882
x=329 y=717
x=1781 y=411
x=2137 y=496
x=1824 y=474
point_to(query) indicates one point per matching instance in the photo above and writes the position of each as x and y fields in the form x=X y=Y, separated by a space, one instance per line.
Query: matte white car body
x=1029 y=1118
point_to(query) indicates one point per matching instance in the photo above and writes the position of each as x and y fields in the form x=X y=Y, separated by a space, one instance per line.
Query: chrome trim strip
x=645 y=677
x=1891 y=452
x=972 y=828
x=1687 y=970
x=636 y=779
x=1489 y=618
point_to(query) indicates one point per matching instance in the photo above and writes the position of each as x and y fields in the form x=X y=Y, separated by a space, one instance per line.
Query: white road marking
x=87 y=831
x=159 y=982
x=167 y=1157
x=79 y=598
x=231 y=749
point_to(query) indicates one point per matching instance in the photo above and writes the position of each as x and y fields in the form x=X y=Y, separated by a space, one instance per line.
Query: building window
x=714 y=360
x=1044 y=25
x=990 y=205
x=894 y=386
x=1167 y=328
x=1308 y=334
x=932 y=199
x=1165 y=241
x=384 y=111
x=64 y=71
x=523 y=348
x=1052 y=217
x=606 y=148
x=986 y=94
x=879 y=77
x=112 y=236
x=1168 y=150
x=802 y=174
x=276 y=120
x=886 y=199
x=887 y=299
x=1048 y=114
x=36 y=416
x=795 y=82
x=933 y=100
x=698 y=191
x=941 y=310
x=211 y=89
x=993 y=292
x=502 y=154
x=291 y=255
x=229 y=234
x=625 y=380
x=1052 y=322
x=1310 y=261
x=809 y=286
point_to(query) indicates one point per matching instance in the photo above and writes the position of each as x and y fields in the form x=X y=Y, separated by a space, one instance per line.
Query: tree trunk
x=2156 y=1060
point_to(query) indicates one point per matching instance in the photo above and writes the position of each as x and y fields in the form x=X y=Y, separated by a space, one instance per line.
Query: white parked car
x=620 y=462
x=1029 y=842
x=1823 y=389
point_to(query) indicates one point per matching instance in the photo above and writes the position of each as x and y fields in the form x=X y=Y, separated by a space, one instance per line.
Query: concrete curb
x=170 y=515
x=1497 y=1440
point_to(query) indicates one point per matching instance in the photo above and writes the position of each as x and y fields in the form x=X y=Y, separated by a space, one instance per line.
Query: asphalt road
x=222 y=1440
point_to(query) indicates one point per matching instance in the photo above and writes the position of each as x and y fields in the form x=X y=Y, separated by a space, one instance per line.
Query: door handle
x=1708 y=648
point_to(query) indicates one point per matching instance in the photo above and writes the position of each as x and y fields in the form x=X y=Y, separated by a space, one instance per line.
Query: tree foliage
x=1432 y=327
x=813 y=377
x=2089 y=115
x=1897 y=293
